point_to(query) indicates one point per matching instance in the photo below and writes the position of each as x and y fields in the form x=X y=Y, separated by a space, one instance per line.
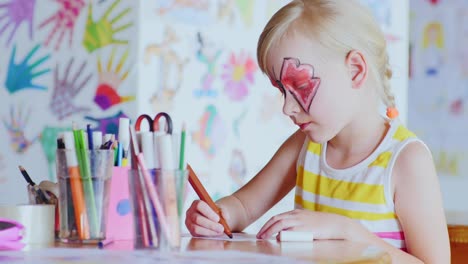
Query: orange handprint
x=109 y=82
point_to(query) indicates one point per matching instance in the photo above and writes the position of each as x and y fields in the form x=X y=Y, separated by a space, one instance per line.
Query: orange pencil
x=79 y=205
x=204 y=196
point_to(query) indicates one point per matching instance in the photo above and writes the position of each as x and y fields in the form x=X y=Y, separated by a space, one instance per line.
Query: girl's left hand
x=323 y=225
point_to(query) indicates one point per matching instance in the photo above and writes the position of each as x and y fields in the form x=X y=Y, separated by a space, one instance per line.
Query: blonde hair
x=437 y=27
x=341 y=26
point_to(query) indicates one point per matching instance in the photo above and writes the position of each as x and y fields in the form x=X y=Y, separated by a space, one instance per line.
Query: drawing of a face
x=299 y=80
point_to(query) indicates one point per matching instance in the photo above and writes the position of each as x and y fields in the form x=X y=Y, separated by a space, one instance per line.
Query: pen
x=42 y=197
x=203 y=194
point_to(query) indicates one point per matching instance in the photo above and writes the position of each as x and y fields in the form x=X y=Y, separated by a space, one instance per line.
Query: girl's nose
x=291 y=106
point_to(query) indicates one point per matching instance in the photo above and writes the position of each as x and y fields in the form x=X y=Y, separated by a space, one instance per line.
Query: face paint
x=299 y=80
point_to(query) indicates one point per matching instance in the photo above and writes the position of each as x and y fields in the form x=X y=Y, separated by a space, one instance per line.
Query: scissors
x=154 y=123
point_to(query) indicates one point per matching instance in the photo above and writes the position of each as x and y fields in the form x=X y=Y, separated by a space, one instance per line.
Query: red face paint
x=299 y=80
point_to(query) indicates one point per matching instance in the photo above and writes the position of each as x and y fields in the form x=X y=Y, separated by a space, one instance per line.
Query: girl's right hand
x=201 y=220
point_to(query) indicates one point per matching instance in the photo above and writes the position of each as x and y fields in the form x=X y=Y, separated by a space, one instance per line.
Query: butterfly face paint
x=299 y=80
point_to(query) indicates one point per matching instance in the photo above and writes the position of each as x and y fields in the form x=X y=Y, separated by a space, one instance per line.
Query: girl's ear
x=357 y=66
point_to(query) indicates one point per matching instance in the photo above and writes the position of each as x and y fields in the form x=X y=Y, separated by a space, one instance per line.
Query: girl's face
x=315 y=84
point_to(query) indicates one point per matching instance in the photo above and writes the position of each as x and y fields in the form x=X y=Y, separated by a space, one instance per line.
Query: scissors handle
x=147 y=118
x=168 y=122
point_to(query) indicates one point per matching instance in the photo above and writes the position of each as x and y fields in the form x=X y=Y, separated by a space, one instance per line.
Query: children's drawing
x=193 y=12
x=109 y=125
x=227 y=10
x=170 y=70
x=102 y=32
x=238 y=168
x=238 y=74
x=13 y=13
x=109 y=82
x=237 y=122
x=20 y=76
x=212 y=132
x=448 y=163
x=48 y=141
x=63 y=21
x=16 y=126
x=66 y=88
x=208 y=55
x=463 y=41
x=433 y=47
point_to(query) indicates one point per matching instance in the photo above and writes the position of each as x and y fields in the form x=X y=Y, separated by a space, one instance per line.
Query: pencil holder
x=157 y=207
x=84 y=186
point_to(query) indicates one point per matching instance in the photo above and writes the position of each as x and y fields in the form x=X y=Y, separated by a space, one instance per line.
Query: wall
x=193 y=59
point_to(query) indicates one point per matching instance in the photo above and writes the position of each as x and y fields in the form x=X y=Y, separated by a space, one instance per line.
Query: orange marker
x=203 y=194
x=79 y=205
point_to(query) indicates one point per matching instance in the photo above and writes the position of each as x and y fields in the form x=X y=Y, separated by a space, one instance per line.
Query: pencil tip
x=21 y=168
x=230 y=236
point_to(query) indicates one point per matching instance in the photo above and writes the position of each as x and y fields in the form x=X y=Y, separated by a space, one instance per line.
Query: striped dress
x=362 y=192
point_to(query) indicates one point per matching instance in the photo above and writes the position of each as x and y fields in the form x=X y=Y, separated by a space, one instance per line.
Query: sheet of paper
x=236 y=237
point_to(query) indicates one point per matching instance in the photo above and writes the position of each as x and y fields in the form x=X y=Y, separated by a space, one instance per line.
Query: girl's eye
x=301 y=86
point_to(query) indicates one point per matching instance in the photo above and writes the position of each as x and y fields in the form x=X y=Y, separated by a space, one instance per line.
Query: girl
x=358 y=176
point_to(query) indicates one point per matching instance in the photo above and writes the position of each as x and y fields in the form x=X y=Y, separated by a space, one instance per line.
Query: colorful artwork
x=238 y=74
x=212 y=132
x=433 y=47
x=108 y=124
x=192 y=12
x=48 y=141
x=101 y=33
x=63 y=21
x=208 y=55
x=20 y=76
x=16 y=127
x=171 y=69
x=238 y=168
x=15 y=13
x=227 y=8
x=110 y=81
x=237 y=122
x=66 y=88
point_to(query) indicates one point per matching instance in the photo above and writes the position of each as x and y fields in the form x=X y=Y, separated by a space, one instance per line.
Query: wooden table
x=319 y=251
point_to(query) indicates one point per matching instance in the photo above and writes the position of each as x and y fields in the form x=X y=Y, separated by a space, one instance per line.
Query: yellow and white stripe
x=362 y=192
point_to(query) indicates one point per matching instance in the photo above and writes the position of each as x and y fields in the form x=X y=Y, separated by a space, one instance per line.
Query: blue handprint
x=20 y=76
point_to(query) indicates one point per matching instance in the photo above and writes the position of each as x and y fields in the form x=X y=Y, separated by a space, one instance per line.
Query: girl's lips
x=303 y=126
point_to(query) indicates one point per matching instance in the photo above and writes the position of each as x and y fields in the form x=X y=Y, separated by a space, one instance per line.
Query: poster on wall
x=438 y=90
x=62 y=62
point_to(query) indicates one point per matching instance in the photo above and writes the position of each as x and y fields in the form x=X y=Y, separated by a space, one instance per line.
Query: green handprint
x=101 y=33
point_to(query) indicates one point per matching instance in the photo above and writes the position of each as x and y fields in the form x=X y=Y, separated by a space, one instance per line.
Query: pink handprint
x=65 y=90
x=64 y=20
x=15 y=13
x=16 y=127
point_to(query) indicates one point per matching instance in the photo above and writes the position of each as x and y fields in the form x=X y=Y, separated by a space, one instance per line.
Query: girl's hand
x=323 y=225
x=201 y=220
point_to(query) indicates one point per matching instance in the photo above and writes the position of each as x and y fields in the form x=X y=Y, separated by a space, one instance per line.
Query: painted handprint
x=16 y=127
x=109 y=82
x=66 y=89
x=16 y=12
x=101 y=33
x=63 y=20
x=20 y=76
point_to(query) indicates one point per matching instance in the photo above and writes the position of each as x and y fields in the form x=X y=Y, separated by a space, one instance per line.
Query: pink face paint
x=299 y=80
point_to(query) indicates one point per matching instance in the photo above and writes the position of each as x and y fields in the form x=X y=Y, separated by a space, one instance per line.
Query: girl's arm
x=267 y=188
x=418 y=204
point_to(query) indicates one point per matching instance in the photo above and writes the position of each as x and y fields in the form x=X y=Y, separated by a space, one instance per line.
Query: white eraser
x=296 y=236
